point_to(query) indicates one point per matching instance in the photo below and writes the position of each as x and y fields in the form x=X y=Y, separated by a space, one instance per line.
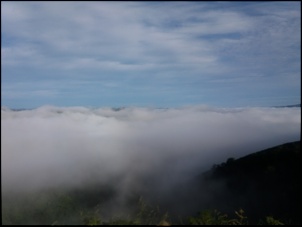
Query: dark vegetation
x=266 y=183
x=261 y=188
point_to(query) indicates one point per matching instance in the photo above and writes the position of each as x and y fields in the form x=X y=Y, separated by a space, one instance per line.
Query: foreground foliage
x=64 y=211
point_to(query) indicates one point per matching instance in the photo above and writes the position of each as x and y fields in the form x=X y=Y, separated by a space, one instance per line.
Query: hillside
x=265 y=183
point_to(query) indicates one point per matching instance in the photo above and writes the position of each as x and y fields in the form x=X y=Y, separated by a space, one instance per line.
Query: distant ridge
x=296 y=105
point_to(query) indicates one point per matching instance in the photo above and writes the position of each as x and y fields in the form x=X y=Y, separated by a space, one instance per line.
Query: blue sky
x=158 y=54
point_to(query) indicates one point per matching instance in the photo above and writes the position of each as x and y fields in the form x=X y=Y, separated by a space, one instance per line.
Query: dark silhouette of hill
x=265 y=183
x=288 y=106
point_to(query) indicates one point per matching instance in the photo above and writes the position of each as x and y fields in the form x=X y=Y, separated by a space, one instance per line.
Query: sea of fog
x=139 y=149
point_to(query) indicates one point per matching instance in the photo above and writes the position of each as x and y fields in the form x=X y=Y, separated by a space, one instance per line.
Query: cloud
x=100 y=32
x=159 y=42
x=52 y=147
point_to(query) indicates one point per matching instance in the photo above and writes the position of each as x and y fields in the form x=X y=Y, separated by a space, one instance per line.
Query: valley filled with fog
x=139 y=151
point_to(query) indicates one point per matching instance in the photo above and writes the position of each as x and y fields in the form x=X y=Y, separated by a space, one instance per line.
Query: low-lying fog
x=140 y=149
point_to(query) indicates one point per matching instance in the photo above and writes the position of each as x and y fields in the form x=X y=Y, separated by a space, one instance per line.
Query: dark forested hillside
x=265 y=183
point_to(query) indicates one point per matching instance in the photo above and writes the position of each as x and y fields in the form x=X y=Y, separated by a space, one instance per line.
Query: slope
x=265 y=183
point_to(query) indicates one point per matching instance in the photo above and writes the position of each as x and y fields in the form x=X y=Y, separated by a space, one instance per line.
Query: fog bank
x=137 y=148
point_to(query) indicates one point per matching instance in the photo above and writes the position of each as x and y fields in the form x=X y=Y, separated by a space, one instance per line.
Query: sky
x=150 y=54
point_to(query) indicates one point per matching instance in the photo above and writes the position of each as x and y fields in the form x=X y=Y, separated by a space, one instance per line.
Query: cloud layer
x=52 y=147
x=171 y=53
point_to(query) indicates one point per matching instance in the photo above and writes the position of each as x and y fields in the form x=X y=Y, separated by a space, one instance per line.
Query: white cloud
x=117 y=32
x=55 y=147
x=180 y=41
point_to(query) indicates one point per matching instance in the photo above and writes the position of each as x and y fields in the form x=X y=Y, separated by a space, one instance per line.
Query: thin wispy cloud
x=171 y=42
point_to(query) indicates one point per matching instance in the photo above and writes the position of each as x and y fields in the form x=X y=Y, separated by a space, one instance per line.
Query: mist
x=144 y=150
